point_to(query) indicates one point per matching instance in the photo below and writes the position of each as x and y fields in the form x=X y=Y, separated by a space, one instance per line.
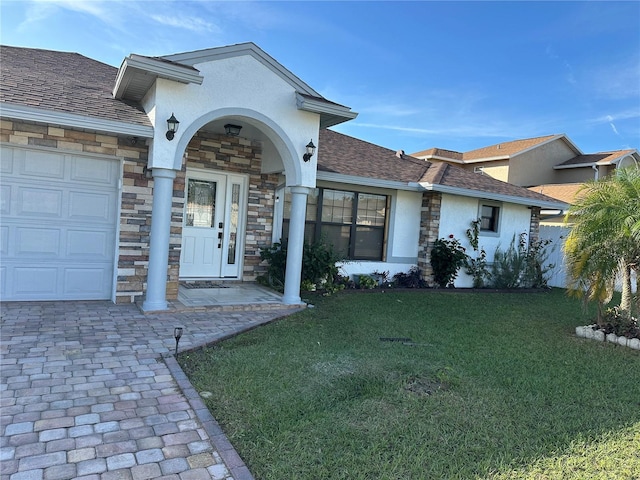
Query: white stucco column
x=156 y=298
x=295 y=245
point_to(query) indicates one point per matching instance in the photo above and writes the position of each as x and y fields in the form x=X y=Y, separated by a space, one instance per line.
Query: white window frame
x=498 y=205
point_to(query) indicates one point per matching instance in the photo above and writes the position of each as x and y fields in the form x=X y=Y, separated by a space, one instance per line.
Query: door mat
x=202 y=284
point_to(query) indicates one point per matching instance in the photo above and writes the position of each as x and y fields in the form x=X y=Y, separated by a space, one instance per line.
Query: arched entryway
x=223 y=201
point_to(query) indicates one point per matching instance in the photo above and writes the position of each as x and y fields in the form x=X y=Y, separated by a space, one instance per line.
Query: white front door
x=213 y=225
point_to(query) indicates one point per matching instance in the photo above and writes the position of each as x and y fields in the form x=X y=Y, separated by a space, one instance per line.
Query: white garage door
x=58 y=228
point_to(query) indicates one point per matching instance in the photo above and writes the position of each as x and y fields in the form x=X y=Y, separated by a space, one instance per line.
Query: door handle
x=219 y=234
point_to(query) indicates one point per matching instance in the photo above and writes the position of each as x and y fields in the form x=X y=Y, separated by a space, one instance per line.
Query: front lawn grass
x=492 y=385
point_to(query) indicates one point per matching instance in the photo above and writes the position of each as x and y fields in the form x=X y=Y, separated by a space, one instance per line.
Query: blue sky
x=455 y=75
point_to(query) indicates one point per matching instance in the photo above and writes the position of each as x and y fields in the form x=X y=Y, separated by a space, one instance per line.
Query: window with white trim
x=353 y=222
x=489 y=215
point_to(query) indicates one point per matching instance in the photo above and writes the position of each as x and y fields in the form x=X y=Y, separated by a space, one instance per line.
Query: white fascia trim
x=367 y=182
x=156 y=68
x=32 y=114
x=575 y=165
x=487 y=159
x=494 y=196
x=166 y=70
x=319 y=106
x=616 y=160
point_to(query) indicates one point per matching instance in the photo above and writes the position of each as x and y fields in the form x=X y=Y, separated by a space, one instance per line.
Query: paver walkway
x=86 y=394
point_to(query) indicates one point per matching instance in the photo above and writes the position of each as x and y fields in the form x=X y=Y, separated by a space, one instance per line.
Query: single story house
x=118 y=183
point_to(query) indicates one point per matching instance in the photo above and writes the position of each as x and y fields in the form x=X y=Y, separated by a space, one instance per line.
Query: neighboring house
x=551 y=165
x=536 y=162
x=101 y=200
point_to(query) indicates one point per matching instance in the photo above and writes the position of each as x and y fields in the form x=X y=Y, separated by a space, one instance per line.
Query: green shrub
x=521 y=265
x=412 y=279
x=318 y=265
x=477 y=267
x=447 y=256
x=367 y=282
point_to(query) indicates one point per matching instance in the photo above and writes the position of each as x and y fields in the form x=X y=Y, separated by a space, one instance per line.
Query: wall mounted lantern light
x=232 y=130
x=172 y=126
x=311 y=149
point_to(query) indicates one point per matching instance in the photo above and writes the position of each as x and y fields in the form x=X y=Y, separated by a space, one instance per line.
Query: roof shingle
x=345 y=155
x=63 y=82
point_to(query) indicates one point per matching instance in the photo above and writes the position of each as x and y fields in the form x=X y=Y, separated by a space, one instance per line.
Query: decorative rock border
x=588 y=331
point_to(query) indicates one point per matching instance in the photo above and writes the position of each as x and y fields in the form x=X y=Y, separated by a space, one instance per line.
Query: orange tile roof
x=565 y=192
x=506 y=149
x=438 y=152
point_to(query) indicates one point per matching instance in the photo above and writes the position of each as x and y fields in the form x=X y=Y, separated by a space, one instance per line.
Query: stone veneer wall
x=219 y=152
x=135 y=215
x=239 y=155
x=429 y=228
x=534 y=227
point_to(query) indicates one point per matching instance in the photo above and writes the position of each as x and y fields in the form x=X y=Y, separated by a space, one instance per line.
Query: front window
x=353 y=222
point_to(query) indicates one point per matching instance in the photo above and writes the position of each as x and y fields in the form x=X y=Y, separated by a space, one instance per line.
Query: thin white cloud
x=185 y=22
x=621 y=115
x=39 y=11
x=469 y=130
x=613 y=126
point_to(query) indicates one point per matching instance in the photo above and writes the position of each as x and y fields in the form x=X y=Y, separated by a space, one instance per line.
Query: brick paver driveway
x=86 y=394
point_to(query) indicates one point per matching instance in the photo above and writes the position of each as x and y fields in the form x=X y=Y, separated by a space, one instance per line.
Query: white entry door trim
x=213 y=224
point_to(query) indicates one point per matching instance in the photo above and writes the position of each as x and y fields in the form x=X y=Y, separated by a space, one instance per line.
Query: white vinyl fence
x=557 y=235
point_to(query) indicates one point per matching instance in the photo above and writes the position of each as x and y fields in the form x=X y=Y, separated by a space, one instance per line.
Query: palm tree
x=604 y=241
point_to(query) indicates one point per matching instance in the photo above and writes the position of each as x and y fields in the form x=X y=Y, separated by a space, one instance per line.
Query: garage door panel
x=35 y=282
x=3 y=283
x=91 y=206
x=5 y=199
x=6 y=162
x=4 y=240
x=92 y=245
x=34 y=201
x=39 y=163
x=85 y=282
x=59 y=224
x=92 y=170
x=37 y=242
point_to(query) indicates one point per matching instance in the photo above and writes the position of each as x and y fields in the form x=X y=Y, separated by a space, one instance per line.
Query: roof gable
x=137 y=74
x=241 y=49
x=498 y=151
x=505 y=150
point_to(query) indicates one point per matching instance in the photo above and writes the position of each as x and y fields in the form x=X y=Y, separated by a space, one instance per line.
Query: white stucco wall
x=456 y=216
x=244 y=89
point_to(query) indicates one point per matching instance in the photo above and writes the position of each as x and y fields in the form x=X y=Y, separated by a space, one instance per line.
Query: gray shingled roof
x=63 y=82
x=345 y=155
